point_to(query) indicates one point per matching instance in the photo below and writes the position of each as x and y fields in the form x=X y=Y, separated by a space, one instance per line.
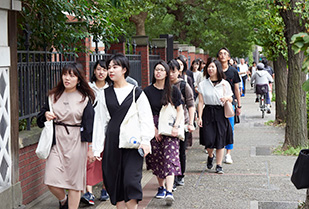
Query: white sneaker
x=228 y=159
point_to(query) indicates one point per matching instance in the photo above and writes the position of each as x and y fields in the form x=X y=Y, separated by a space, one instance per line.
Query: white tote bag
x=46 y=138
x=130 y=134
x=167 y=118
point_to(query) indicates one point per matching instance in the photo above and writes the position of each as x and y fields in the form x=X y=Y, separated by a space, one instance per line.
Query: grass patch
x=275 y=123
x=291 y=151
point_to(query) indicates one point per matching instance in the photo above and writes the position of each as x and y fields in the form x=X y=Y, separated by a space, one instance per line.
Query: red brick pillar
x=161 y=44
x=83 y=57
x=117 y=48
x=142 y=48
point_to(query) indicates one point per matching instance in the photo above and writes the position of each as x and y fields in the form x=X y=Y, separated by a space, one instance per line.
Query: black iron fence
x=37 y=73
x=134 y=60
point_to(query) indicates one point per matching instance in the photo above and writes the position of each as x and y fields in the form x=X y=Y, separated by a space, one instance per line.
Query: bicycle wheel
x=263 y=106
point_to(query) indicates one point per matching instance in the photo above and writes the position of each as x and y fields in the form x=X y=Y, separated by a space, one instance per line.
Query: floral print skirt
x=164 y=160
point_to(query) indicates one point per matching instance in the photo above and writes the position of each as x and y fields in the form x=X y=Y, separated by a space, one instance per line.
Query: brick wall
x=144 y=52
x=117 y=48
x=31 y=174
x=162 y=52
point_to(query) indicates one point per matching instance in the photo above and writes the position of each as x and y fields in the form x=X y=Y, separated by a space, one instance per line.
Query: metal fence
x=134 y=60
x=153 y=60
x=37 y=73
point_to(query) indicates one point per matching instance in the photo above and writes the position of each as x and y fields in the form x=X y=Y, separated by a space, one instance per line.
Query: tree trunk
x=296 y=123
x=139 y=21
x=281 y=80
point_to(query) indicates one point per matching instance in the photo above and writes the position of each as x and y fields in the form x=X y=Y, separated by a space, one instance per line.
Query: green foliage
x=49 y=25
x=23 y=124
x=289 y=151
x=269 y=29
x=300 y=42
x=209 y=25
x=269 y=123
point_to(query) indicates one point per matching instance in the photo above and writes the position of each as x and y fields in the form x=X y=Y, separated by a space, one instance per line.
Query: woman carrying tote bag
x=122 y=167
x=164 y=160
x=215 y=128
x=73 y=123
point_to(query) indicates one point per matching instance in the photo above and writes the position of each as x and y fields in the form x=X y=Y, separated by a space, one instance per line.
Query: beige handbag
x=228 y=107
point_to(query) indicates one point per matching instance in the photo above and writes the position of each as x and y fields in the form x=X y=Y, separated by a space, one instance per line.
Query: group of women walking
x=92 y=139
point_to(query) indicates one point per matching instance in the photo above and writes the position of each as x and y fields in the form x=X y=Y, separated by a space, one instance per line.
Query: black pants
x=182 y=153
x=244 y=78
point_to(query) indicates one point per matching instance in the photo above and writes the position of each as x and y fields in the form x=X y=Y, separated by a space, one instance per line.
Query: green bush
x=23 y=123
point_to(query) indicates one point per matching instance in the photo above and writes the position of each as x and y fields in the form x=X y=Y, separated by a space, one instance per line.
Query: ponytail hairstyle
x=82 y=86
x=167 y=91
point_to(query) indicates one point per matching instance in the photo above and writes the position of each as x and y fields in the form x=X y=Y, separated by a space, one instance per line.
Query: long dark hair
x=82 y=87
x=103 y=65
x=220 y=73
x=185 y=66
x=167 y=91
x=193 y=62
x=121 y=60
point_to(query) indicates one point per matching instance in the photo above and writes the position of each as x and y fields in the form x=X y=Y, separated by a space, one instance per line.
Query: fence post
x=134 y=46
x=84 y=58
x=27 y=89
x=128 y=46
x=143 y=49
x=118 y=47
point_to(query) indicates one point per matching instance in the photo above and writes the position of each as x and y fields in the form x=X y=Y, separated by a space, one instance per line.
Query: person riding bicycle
x=262 y=79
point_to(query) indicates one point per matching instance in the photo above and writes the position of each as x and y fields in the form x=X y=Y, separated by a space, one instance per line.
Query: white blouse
x=212 y=94
x=144 y=113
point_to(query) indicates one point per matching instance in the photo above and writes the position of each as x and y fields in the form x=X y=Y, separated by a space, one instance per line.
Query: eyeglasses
x=223 y=53
x=159 y=69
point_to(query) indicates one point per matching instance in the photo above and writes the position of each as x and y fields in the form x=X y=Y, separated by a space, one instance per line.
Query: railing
x=37 y=73
x=134 y=60
x=153 y=60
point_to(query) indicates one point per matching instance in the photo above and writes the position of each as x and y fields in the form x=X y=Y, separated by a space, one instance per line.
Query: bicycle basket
x=261 y=88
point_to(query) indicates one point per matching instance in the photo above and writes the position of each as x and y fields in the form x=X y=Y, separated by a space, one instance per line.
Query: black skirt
x=216 y=131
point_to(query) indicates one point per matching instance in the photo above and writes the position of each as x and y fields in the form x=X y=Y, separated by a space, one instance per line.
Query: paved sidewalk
x=256 y=179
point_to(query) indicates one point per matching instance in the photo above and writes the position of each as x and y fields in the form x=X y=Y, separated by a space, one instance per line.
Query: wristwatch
x=239 y=107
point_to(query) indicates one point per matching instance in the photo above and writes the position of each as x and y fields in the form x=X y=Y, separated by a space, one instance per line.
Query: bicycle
x=261 y=91
x=262 y=101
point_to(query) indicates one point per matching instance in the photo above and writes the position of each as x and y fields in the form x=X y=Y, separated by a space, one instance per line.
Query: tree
x=50 y=27
x=296 y=123
x=269 y=34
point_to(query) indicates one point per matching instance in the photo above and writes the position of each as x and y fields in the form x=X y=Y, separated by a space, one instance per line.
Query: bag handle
x=134 y=87
x=50 y=104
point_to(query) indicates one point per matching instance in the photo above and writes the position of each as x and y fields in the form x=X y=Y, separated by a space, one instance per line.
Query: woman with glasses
x=164 y=159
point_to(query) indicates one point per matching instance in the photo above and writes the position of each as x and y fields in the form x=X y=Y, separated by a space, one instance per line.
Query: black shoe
x=268 y=111
x=180 y=181
x=65 y=206
x=210 y=162
x=256 y=99
x=174 y=187
x=219 y=170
